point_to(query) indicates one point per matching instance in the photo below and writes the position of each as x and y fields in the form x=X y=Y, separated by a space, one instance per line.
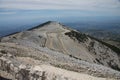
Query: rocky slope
x=16 y=70
x=53 y=44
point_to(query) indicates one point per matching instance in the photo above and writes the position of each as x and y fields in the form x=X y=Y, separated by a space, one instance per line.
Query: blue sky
x=23 y=11
x=19 y=14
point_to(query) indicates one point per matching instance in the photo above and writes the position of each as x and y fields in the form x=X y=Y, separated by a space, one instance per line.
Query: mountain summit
x=55 y=44
x=48 y=23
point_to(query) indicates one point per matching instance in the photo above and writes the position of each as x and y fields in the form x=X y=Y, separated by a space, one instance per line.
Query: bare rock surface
x=20 y=71
x=40 y=52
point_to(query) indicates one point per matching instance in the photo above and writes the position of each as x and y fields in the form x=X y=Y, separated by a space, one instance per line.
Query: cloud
x=61 y=4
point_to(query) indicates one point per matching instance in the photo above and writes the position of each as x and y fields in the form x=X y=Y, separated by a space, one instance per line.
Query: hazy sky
x=18 y=14
x=97 y=7
x=23 y=11
x=60 y=4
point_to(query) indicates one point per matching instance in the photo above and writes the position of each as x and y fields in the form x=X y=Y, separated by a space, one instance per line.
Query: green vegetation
x=74 y=57
x=11 y=34
x=115 y=49
x=76 y=35
x=41 y=25
x=115 y=66
x=3 y=51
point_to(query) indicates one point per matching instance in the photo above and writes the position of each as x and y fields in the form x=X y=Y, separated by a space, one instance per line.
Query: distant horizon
x=10 y=26
x=21 y=14
x=34 y=11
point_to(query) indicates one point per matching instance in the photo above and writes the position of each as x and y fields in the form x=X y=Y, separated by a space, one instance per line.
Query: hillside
x=54 y=44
